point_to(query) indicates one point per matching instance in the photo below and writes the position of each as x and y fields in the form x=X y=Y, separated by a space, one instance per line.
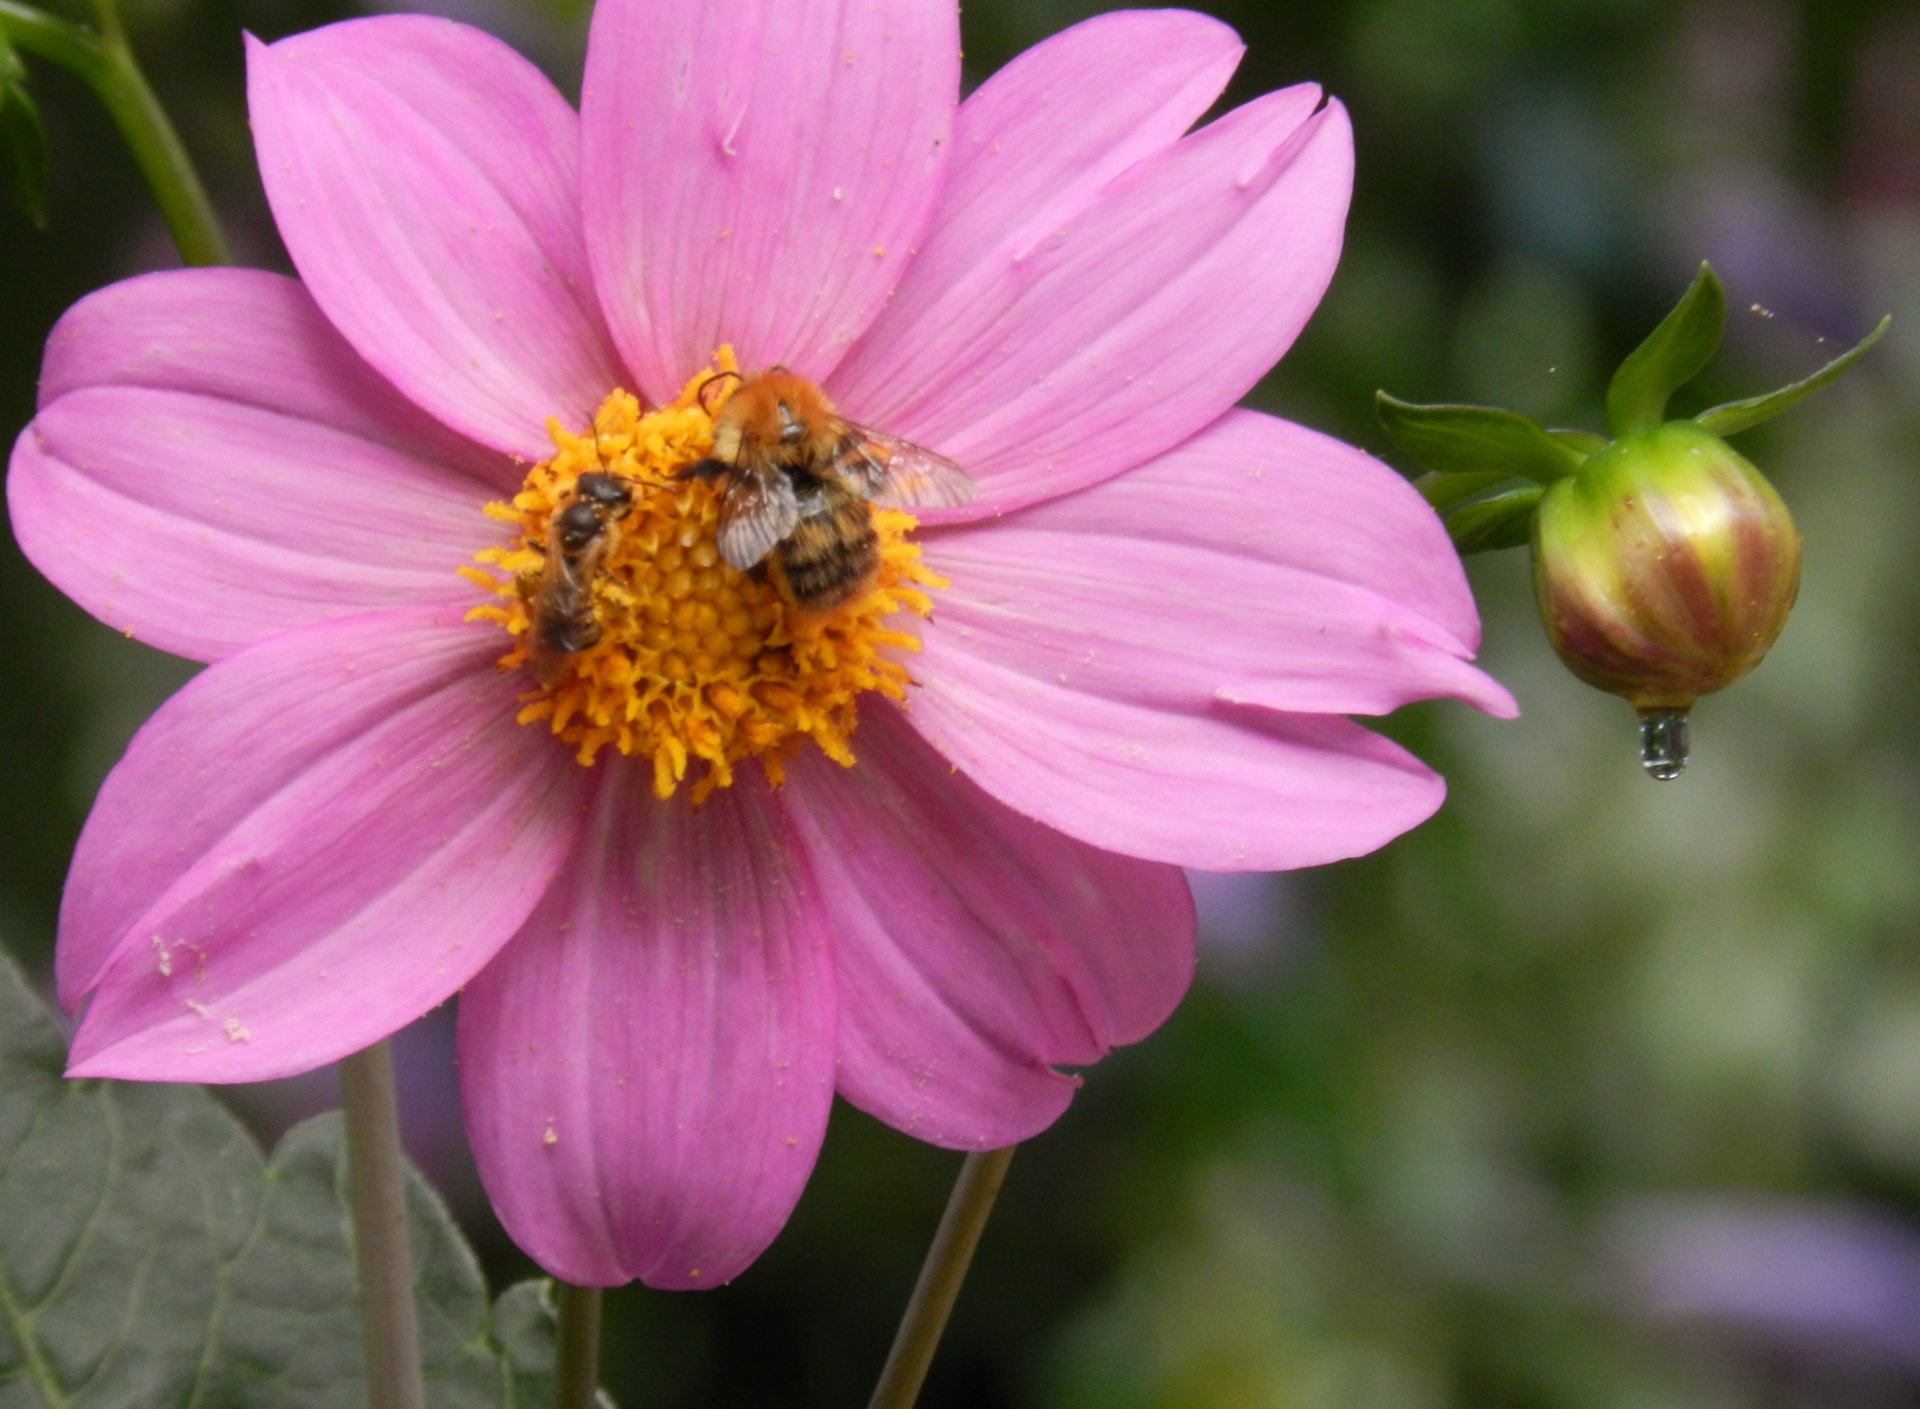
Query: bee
x=560 y=609
x=799 y=481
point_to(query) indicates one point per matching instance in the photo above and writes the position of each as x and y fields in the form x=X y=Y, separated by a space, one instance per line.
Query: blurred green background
x=1592 y=1093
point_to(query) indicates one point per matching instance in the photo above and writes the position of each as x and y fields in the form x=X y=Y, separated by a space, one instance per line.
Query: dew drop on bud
x=1663 y=743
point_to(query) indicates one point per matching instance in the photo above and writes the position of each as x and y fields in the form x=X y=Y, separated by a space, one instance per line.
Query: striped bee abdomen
x=832 y=552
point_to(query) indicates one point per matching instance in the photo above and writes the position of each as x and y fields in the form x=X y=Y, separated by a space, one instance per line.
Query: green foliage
x=1474 y=454
x=23 y=139
x=1672 y=356
x=1502 y=520
x=152 y=1257
x=1476 y=440
x=1733 y=416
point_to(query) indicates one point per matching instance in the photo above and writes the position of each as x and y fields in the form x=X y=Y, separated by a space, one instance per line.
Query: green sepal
x=23 y=141
x=1738 y=415
x=1672 y=356
x=1583 y=442
x=1442 y=492
x=1476 y=440
x=1498 y=521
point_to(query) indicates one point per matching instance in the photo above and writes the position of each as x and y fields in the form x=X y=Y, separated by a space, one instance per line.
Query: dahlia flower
x=733 y=859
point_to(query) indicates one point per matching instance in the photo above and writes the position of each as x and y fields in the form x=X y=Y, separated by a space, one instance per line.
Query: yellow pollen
x=695 y=662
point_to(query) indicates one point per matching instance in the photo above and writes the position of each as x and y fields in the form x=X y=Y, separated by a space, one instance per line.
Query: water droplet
x=1663 y=743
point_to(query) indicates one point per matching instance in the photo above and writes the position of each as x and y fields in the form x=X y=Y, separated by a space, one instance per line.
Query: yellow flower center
x=693 y=661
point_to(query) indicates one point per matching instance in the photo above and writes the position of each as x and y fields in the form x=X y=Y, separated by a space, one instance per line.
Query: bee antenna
x=700 y=394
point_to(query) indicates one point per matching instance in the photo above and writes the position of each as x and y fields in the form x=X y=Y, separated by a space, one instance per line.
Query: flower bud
x=1664 y=568
x=1663 y=563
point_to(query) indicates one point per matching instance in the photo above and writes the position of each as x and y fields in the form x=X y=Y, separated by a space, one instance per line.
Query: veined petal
x=758 y=172
x=1094 y=344
x=309 y=846
x=425 y=179
x=647 y=1068
x=254 y=338
x=1302 y=572
x=1227 y=789
x=1145 y=665
x=975 y=948
x=201 y=525
x=1032 y=146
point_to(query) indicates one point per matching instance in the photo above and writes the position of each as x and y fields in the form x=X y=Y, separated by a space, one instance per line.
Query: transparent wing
x=897 y=473
x=756 y=512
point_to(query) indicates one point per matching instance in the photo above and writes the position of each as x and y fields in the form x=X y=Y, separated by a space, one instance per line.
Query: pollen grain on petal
x=691 y=665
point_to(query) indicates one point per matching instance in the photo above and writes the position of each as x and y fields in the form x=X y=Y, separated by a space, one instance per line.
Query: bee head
x=576 y=526
x=606 y=493
x=778 y=415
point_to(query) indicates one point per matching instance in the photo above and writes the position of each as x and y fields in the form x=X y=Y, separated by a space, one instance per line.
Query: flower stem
x=940 y=1278
x=104 y=61
x=578 y=1356
x=389 y=1322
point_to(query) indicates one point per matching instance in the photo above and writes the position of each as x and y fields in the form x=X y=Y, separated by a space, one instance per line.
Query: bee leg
x=708 y=468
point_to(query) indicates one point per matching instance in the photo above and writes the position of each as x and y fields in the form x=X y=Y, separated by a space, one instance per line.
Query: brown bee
x=563 y=622
x=799 y=480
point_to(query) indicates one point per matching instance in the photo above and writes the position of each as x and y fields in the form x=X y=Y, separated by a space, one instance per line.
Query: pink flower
x=1158 y=611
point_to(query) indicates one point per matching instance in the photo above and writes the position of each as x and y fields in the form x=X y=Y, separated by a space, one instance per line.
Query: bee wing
x=757 y=511
x=896 y=473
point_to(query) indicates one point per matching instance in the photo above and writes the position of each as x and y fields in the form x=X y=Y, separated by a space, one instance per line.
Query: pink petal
x=1156 y=665
x=976 y=949
x=1086 y=345
x=647 y=1068
x=1259 y=555
x=425 y=178
x=308 y=847
x=758 y=172
x=201 y=525
x=1033 y=146
x=1218 y=791
x=256 y=338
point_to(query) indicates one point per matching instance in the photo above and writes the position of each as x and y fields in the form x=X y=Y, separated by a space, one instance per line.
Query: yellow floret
x=696 y=663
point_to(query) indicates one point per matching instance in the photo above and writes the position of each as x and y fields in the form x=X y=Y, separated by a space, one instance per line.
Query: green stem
x=389 y=1321
x=940 y=1278
x=105 y=62
x=578 y=1356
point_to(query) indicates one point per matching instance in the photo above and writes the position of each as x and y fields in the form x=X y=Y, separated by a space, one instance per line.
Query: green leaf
x=1738 y=415
x=163 y=1262
x=1672 y=356
x=1498 y=521
x=23 y=150
x=1476 y=440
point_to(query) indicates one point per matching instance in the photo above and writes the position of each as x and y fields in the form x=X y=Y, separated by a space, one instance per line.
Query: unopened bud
x=1663 y=562
x=1664 y=567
